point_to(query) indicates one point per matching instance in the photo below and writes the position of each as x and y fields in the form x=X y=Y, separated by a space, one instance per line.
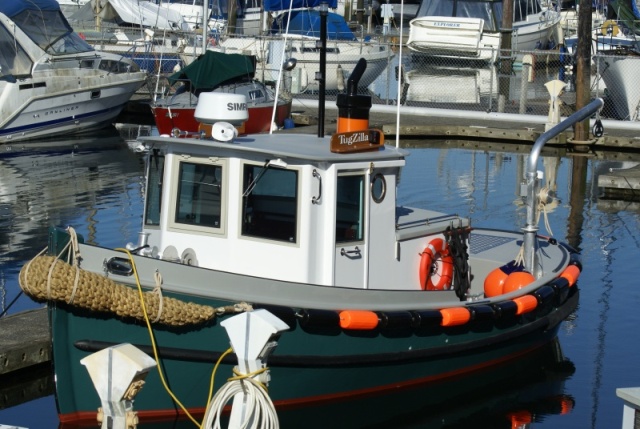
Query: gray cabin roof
x=293 y=146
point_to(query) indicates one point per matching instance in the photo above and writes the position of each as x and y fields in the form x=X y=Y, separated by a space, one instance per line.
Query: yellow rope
x=73 y=258
x=241 y=376
x=153 y=341
x=213 y=376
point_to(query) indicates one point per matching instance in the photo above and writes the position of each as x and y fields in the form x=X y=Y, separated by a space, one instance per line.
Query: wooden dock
x=620 y=189
x=25 y=358
x=24 y=341
x=621 y=183
x=426 y=123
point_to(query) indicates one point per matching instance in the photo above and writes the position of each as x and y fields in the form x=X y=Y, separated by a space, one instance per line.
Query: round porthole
x=378 y=188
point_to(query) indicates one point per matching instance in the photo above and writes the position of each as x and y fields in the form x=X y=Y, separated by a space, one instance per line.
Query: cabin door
x=350 y=231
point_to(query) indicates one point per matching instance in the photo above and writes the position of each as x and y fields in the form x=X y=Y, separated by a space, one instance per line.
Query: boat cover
x=307 y=23
x=14 y=7
x=215 y=68
x=276 y=5
x=126 y=12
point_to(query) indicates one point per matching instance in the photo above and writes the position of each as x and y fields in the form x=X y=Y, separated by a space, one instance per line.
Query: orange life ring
x=436 y=266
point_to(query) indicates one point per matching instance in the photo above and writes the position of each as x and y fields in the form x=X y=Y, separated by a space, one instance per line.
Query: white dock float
x=631 y=414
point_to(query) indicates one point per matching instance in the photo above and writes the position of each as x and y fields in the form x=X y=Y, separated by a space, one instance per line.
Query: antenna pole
x=320 y=77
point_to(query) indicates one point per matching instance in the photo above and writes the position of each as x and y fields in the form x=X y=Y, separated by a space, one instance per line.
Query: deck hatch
x=479 y=243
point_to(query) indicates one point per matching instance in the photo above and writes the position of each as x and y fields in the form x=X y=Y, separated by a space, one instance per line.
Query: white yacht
x=469 y=30
x=51 y=81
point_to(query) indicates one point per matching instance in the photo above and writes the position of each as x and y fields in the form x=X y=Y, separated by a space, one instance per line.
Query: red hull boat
x=181 y=116
x=218 y=72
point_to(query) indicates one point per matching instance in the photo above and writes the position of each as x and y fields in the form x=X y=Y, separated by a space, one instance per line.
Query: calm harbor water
x=95 y=184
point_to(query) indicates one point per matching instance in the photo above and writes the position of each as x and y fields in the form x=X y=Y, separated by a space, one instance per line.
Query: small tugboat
x=376 y=296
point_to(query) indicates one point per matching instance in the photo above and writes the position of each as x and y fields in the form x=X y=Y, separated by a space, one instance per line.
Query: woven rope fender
x=98 y=293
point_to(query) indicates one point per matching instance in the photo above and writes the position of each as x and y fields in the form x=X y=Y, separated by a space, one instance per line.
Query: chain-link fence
x=521 y=83
x=517 y=83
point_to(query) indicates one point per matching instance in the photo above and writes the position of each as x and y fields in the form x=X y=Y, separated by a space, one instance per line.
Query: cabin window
x=51 y=31
x=524 y=8
x=465 y=9
x=378 y=188
x=14 y=61
x=113 y=66
x=270 y=203
x=199 y=198
x=255 y=94
x=350 y=208
x=155 y=172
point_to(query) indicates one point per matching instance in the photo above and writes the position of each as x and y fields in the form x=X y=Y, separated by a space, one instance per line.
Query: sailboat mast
x=205 y=25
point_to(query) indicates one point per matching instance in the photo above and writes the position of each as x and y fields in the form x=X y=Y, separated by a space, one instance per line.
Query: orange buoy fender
x=517 y=280
x=358 y=320
x=571 y=273
x=566 y=405
x=494 y=283
x=520 y=419
x=436 y=266
x=525 y=304
x=455 y=316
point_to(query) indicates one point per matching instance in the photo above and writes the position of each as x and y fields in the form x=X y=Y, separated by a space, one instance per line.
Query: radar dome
x=213 y=107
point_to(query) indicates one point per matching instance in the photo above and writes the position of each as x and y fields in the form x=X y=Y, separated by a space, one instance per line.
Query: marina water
x=95 y=185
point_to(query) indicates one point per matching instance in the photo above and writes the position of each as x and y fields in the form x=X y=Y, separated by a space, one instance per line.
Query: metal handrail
x=532 y=182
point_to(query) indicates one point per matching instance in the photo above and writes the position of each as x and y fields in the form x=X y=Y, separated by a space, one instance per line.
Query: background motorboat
x=51 y=81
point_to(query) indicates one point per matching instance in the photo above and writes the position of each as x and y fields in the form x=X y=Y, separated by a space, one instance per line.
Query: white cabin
x=280 y=207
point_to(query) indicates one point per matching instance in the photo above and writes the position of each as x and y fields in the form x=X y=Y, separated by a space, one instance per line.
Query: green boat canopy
x=215 y=68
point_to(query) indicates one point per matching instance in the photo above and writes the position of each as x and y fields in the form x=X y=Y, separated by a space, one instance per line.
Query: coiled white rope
x=259 y=411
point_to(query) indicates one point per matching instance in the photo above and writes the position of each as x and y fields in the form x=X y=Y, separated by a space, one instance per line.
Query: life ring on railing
x=610 y=28
x=436 y=266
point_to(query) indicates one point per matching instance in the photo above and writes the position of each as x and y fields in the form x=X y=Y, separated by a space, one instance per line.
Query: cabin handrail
x=532 y=182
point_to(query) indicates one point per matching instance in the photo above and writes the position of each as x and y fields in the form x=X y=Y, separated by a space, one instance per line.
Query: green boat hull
x=310 y=366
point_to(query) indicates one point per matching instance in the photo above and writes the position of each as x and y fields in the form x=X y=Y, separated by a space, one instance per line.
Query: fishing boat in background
x=224 y=73
x=466 y=30
x=51 y=81
x=376 y=296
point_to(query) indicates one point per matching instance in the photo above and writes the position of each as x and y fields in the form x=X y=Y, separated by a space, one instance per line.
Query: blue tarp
x=14 y=7
x=307 y=23
x=274 y=5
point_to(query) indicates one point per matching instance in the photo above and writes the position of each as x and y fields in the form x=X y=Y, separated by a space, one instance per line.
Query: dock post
x=527 y=76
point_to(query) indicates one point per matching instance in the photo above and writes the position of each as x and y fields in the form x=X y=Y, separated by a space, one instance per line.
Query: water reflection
x=617 y=186
x=442 y=84
x=26 y=385
x=57 y=182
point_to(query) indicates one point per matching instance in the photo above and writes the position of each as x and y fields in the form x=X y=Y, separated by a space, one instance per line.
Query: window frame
x=364 y=197
x=174 y=204
x=298 y=205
